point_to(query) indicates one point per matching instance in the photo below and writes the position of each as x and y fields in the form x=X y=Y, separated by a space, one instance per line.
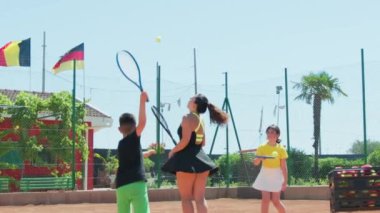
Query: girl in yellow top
x=274 y=173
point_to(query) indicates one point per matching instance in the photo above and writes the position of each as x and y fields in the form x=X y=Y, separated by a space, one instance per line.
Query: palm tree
x=316 y=88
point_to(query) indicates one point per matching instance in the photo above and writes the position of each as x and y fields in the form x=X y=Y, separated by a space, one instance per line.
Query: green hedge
x=299 y=164
x=328 y=164
x=374 y=158
x=241 y=169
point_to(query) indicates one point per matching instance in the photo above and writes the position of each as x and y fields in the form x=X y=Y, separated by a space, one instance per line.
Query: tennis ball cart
x=355 y=189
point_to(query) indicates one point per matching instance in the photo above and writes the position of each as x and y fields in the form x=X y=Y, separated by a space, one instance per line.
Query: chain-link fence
x=46 y=151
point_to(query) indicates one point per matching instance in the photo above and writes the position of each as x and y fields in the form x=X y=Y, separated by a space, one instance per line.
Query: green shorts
x=133 y=195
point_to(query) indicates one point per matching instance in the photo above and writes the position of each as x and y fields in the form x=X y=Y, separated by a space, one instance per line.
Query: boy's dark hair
x=127 y=119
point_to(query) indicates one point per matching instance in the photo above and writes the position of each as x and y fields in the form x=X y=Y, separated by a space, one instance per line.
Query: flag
x=15 y=53
x=67 y=61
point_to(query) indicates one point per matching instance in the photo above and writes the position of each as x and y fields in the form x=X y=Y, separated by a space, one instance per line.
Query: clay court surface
x=218 y=206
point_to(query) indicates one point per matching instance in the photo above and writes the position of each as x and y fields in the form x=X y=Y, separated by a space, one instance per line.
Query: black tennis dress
x=191 y=159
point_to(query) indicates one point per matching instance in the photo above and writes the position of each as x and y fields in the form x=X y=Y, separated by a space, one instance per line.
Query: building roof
x=90 y=110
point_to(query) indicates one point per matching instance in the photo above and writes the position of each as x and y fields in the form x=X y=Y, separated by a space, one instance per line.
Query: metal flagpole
x=43 y=62
x=158 y=104
x=73 y=125
x=195 y=73
x=287 y=119
x=364 y=108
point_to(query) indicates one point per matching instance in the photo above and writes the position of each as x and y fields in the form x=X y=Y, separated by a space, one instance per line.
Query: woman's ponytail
x=217 y=115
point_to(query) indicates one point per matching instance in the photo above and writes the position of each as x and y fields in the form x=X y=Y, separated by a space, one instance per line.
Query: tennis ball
x=158 y=39
x=275 y=154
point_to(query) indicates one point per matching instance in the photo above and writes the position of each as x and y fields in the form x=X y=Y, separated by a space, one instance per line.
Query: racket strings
x=129 y=67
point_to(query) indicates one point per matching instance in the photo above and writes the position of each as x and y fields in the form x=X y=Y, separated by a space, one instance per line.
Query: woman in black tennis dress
x=187 y=160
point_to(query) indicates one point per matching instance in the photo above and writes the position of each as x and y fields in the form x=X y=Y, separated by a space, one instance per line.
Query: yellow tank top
x=198 y=137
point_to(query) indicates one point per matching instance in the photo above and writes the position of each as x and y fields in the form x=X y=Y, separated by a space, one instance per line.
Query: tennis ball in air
x=158 y=39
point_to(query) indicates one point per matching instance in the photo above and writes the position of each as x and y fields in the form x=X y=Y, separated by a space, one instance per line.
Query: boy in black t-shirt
x=131 y=188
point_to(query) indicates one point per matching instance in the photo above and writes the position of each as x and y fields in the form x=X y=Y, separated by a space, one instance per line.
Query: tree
x=358 y=147
x=24 y=120
x=58 y=137
x=374 y=158
x=50 y=143
x=314 y=89
x=300 y=164
x=4 y=100
x=5 y=147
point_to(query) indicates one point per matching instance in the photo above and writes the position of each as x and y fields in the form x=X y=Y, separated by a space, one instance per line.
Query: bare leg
x=265 y=200
x=277 y=202
x=185 y=183
x=199 y=192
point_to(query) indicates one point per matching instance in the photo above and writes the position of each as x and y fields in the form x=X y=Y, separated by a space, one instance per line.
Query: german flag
x=15 y=53
x=67 y=61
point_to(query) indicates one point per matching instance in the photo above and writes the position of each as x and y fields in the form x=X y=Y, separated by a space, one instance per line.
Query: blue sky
x=251 y=40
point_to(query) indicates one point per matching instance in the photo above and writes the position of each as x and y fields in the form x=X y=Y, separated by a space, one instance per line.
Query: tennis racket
x=250 y=154
x=265 y=156
x=129 y=67
x=162 y=122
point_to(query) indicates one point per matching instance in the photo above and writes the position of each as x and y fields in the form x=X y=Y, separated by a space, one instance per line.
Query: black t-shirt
x=131 y=161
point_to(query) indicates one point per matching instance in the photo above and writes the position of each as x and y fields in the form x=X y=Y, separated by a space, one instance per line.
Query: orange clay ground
x=217 y=206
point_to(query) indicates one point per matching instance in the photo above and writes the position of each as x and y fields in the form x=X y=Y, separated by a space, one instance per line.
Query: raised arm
x=142 y=113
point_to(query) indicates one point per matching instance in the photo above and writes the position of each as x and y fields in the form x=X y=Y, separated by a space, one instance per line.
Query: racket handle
x=141 y=90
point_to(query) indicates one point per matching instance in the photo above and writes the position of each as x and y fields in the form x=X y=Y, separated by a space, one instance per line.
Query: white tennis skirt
x=269 y=180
